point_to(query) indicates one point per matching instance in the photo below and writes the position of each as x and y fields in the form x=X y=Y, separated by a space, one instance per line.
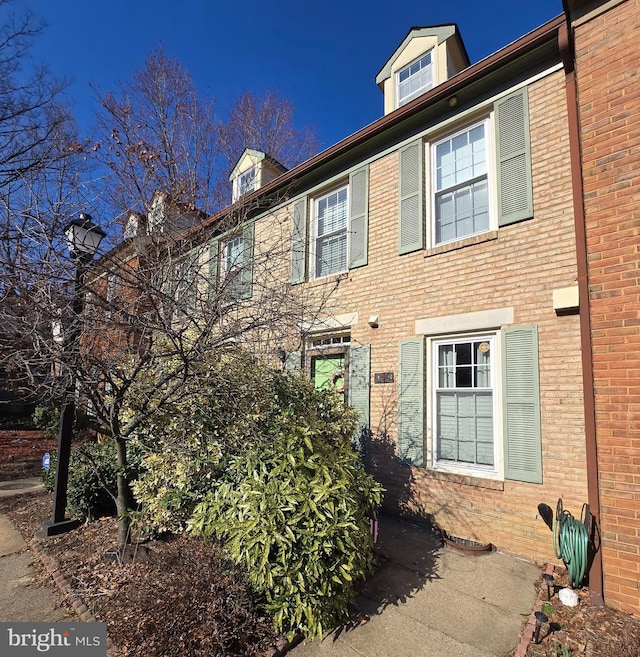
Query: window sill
x=461 y=244
x=464 y=480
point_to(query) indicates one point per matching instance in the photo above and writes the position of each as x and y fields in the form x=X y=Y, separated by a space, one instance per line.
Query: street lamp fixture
x=83 y=242
x=83 y=236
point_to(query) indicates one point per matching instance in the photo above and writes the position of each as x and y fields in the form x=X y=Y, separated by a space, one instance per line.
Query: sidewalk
x=427 y=601
x=24 y=595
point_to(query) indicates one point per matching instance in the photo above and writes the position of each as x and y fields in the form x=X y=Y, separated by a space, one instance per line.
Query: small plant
x=92 y=482
x=548 y=609
x=560 y=650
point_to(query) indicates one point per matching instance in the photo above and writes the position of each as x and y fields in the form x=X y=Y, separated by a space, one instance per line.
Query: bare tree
x=32 y=115
x=41 y=159
x=156 y=133
x=155 y=305
x=182 y=281
x=265 y=123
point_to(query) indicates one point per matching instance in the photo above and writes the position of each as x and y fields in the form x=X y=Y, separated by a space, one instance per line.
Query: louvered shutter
x=411 y=401
x=358 y=217
x=360 y=389
x=411 y=233
x=513 y=149
x=521 y=399
x=299 y=242
x=247 y=262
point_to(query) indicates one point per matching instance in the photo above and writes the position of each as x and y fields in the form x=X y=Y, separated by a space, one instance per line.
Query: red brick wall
x=608 y=77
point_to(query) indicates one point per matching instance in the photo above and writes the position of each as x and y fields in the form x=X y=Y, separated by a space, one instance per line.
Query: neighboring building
x=607 y=53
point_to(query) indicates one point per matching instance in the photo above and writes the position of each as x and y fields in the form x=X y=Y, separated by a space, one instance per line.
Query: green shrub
x=47 y=418
x=92 y=482
x=294 y=510
x=220 y=410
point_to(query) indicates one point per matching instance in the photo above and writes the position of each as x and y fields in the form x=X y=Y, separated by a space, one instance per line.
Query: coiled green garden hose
x=570 y=542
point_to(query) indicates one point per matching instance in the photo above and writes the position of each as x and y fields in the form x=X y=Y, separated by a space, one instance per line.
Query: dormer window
x=414 y=79
x=427 y=57
x=253 y=170
x=247 y=181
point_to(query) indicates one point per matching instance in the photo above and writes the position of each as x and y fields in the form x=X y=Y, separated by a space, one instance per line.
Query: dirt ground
x=158 y=603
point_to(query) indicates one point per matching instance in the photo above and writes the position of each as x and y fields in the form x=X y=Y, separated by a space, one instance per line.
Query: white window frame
x=491 y=177
x=248 y=181
x=495 y=472
x=316 y=237
x=234 y=269
x=423 y=88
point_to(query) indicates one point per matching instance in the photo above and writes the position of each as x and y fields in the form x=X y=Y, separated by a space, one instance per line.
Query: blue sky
x=322 y=56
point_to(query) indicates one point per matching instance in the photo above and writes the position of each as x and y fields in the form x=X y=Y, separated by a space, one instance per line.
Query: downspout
x=566 y=46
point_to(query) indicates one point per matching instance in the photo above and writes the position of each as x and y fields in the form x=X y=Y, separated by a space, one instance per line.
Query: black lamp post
x=83 y=241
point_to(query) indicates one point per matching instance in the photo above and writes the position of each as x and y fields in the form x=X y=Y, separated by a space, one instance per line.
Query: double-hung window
x=331 y=233
x=414 y=79
x=475 y=409
x=460 y=184
x=464 y=401
x=233 y=261
x=474 y=180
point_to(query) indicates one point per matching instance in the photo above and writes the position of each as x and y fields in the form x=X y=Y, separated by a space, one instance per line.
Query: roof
x=520 y=56
x=441 y=32
x=256 y=156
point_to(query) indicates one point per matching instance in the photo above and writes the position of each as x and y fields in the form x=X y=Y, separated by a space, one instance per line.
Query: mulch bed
x=586 y=630
x=167 y=598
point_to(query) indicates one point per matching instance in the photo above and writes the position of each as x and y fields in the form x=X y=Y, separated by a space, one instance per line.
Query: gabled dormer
x=253 y=170
x=427 y=57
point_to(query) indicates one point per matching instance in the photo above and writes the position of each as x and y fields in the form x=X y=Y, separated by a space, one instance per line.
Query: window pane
x=462 y=212
x=461 y=158
x=464 y=415
x=415 y=79
x=465 y=427
x=331 y=255
x=332 y=212
x=234 y=253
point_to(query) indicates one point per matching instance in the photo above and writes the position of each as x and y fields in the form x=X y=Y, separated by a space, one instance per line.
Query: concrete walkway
x=424 y=600
x=427 y=601
x=24 y=597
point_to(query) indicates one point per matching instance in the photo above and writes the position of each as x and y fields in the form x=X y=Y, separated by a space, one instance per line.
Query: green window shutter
x=247 y=262
x=292 y=361
x=513 y=154
x=299 y=242
x=360 y=387
x=521 y=400
x=411 y=401
x=411 y=233
x=358 y=217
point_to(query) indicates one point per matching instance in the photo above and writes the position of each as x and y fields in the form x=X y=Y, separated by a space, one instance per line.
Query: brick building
x=441 y=240
x=606 y=54
x=470 y=269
